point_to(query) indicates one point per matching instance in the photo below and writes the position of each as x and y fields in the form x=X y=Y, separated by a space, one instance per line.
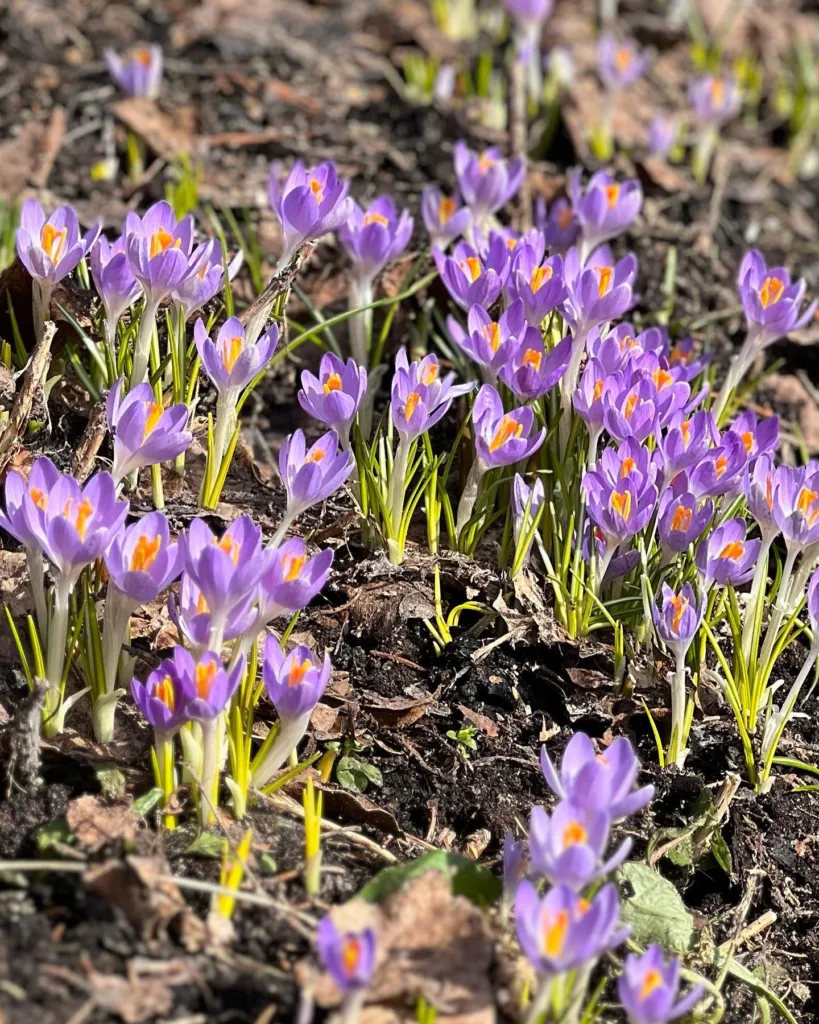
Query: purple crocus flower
x=757 y=437
x=568 y=847
x=529 y=13
x=114 y=280
x=663 y=133
x=141 y=560
x=648 y=988
x=311 y=476
x=686 y=360
x=295 y=682
x=678 y=618
x=139 y=72
x=597 y=781
x=719 y=470
x=605 y=209
x=158 y=248
x=502 y=438
x=335 y=395
x=226 y=568
x=598 y=292
x=487 y=182
x=145 y=432
x=207 y=686
x=348 y=957
x=51 y=249
x=682 y=522
x=309 y=204
x=419 y=397
x=770 y=300
x=472 y=278
x=205 y=276
x=444 y=217
x=233 y=361
x=725 y=556
x=758 y=487
x=686 y=440
x=796 y=504
x=619 y=64
x=532 y=371
x=488 y=342
x=537 y=283
x=620 y=511
x=190 y=613
x=633 y=412
x=590 y=398
x=716 y=100
x=560 y=227
x=375 y=237
x=163 y=697
x=561 y=930
x=292 y=579
x=526 y=503
x=630 y=460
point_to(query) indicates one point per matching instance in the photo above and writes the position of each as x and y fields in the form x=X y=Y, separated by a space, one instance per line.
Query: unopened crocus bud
x=312 y=475
x=726 y=556
x=597 y=781
x=145 y=432
x=139 y=72
x=445 y=218
x=334 y=397
x=114 y=280
x=309 y=204
x=486 y=181
x=348 y=957
x=568 y=847
x=471 y=277
x=50 y=249
x=758 y=487
x=374 y=237
x=716 y=100
x=679 y=617
x=619 y=64
x=523 y=498
x=605 y=208
x=648 y=989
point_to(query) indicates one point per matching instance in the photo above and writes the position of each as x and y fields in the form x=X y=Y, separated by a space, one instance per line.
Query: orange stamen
x=144 y=553
x=317 y=189
x=492 y=334
x=298 y=670
x=770 y=291
x=718 y=91
x=154 y=415
x=142 y=57
x=681 y=519
x=620 y=503
x=627 y=466
x=202 y=605
x=508 y=428
x=662 y=378
x=733 y=551
x=630 y=405
x=652 y=980
x=679 y=604
x=316 y=455
x=205 y=674
x=603 y=280
x=555 y=929
x=486 y=162
x=564 y=217
x=231 y=548
x=162 y=240
x=598 y=389
x=40 y=498
x=231 y=351
x=533 y=358
x=430 y=373
x=540 y=275
x=471 y=266
x=446 y=210
x=574 y=833
x=720 y=466
x=622 y=58
x=84 y=513
x=612 y=195
x=409 y=406
x=685 y=430
x=351 y=954
x=748 y=441
x=292 y=566
x=333 y=383
x=164 y=692
x=53 y=242
x=375 y=218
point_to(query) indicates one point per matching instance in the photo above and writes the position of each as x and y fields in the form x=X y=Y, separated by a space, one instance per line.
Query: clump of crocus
x=486 y=181
x=350 y=959
x=605 y=209
x=372 y=239
x=142 y=563
x=715 y=101
x=309 y=204
x=334 y=397
x=115 y=282
x=648 y=989
x=49 y=249
x=677 y=621
x=619 y=65
x=145 y=433
x=445 y=218
x=310 y=475
x=295 y=683
x=139 y=72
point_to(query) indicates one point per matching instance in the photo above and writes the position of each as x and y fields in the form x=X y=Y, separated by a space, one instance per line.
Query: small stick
x=90 y=442
x=34 y=376
x=255 y=316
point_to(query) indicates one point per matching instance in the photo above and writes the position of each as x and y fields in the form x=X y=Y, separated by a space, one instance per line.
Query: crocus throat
x=471 y=266
x=540 y=275
x=161 y=241
x=351 y=955
x=622 y=59
x=681 y=520
x=446 y=210
x=142 y=57
x=409 y=406
x=620 y=502
x=651 y=981
x=604 y=275
x=298 y=670
x=231 y=548
x=152 y=419
x=574 y=834
x=231 y=351
x=805 y=503
x=164 y=692
x=748 y=440
x=333 y=383
x=317 y=189
x=53 y=242
x=486 y=162
x=679 y=604
x=508 y=428
x=292 y=566
x=733 y=551
x=555 y=929
x=491 y=333
x=720 y=466
x=533 y=358
x=662 y=378
x=316 y=455
x=144 y=554
x=564 y=217
x=375 y=218
x=40 y=498
x=205 y=674
x=84 y=512
x=717 y=91
x=612 y=195
x=770 y=291
x=628 y=465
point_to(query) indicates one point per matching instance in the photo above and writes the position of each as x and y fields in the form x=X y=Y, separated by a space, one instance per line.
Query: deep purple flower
x=490 y=343
x=686 y=440
x=770 y=300
x=139 y=73
x=444 y=217
x=682 y=522
x=719 y=470
x=51 y=249
x=308 y=205
x=419 y=397
x=591 y=395
x=716 y=100
x=190 y=613
x=605 y=209
x=796 y=504
x=145 y=432
x=671 y=395
x=598 y=292
x=311 y=476
x=648 y=988
x=206 y=684
x=561 y=930
x=226 y=568
x=472 y=278
x=295 y=682
x=27 y=502
x=487 y=182
x=630 y=460
x=335 y=395
x=537 y=283
x=560 y=227
x=142 y=561
x=502 y=438
x=532 y=371
x=163 y=697
x=348 y=957
x=663 y=133
x=619 y=64
x=113 y=278
x=758 y=438
x=679 y=617
x=158 y=248
x=758 y=487
x=725 y=556
x=373 y=238
x=621 y=511
x=568 y=847
x=633 y=412
x=233 y=361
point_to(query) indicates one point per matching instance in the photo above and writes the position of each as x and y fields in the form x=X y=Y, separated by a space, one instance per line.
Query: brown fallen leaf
x=785 y=389
x=326 y=723
x=396 y=712
x=96 y=823
x=486 y=725
x=134 y=999
x=169 y=136
x=588 y=678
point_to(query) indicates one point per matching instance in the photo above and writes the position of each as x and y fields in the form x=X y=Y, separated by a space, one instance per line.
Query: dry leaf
x=169 y=136
x=96 y=823
x=486 y=725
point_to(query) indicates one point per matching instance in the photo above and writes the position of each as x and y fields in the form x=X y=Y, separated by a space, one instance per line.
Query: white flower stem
x=36 y=575
x=540 y=1003
x=283 y=527
x=756 y=596
x=289 y=736
x=361 y=294
x=55 y=658
x=41 y=292
x=142 y=347
x=568 y=385
x=395 y=503
x=470 y=495
x=209 y=797
x=777 y=613
x=677 y=746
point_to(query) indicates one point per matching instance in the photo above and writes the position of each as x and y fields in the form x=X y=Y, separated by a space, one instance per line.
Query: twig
x=33 y=377
x=256 y=316
x=754 y=928
x=743 y=910
x=78 y=867
x=90 y=442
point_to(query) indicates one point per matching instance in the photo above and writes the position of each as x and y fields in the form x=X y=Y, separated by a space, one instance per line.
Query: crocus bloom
x=631 y=413
x=158 y=248
x=686 y=440
x=648 y=988
x=591 y=395
x=190 y=613
x=561 y=931
x=374 y=237
x=348 y=957
x=141 y=560
x=311 y=476
x=662 y=135
x=206 y=273
x=139 y=72
x=621 y=511
x=679 y=617
x=419 y=396
x=725 y=556
x=719 y=470
x=598 y=292
x=770 y=300
x=715 y=100
x=619 y=64
x=444 y=217
x=51 y=249
x=488 y=342
x=597 y=780
x=529 y=13
x=796 y=504
x=233 y=361
x=537 y=283
x=682 y=522
x=568 y=847
x=308 y=205
x=208 y=686
x=501 y=438
x=758 y=438
x=605 y=209
x=560 y=228
x=487 y=182
x=114 y=280
x=471 y=278
x=685 y=358
x=630 y=460
x=526 y=502
x=335 y=395
x=163 y=697
x=145 y=432
x=531 y=371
